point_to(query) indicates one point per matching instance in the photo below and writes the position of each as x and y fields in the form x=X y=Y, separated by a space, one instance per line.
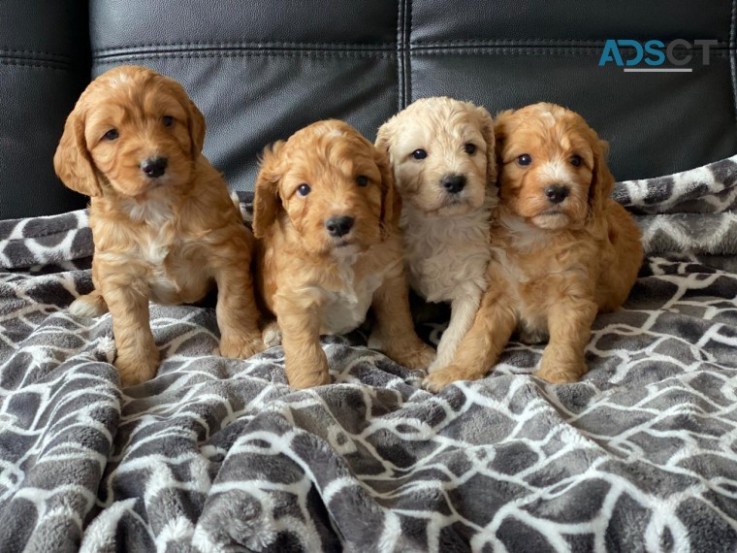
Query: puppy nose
x=454 y=183
x=154 y=167
x=339 y=226
x=556 y=193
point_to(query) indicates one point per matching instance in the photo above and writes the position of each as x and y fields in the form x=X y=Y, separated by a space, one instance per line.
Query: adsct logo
x=655 y=56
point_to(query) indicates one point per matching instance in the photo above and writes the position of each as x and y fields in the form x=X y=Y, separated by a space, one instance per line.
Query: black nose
x=154 y=167
x=339 y=226
x=556 y=193
x=454 y=183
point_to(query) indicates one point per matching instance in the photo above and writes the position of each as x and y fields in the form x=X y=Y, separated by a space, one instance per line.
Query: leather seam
x=250 y=54
x=530 y=50
x=36 y=64
x=595 y=43
x=247 y=45
x=406 y=58
x=732 y=54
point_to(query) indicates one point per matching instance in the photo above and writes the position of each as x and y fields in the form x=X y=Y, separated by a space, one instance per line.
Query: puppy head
x=553 y=170
x=131 y=131
x=442 y=151
x=334 y=187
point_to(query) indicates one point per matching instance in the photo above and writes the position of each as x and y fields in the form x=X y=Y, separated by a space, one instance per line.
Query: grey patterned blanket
x=218 y=455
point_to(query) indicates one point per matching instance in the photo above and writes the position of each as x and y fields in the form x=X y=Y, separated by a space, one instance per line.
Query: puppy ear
x=487 y=131
x=266 y=202
x=501 y=130
x=602 y=183
x=197 y=128
x=72 y=161
x=391 y=202
x=383 y=137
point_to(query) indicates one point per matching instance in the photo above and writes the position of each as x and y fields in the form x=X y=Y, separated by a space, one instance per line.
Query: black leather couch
x=261 y=69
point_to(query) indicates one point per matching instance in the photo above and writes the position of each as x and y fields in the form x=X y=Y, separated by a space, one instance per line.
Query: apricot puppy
x=442 y=152
x=329 y=247
x=562 y=249
x=163 y=223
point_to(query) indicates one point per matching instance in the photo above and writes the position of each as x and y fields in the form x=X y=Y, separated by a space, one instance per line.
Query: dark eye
x=524 y=159
x=304 y=189
x=167 y=120
x=470 y=148
x=362 y=180
x=112 y=134
x=576 y=160
x=419 y=154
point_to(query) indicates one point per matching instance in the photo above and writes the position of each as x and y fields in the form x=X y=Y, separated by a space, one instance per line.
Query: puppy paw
x=88 y=306
x=557 y=372
x=236 y=346
x=441 y=377
x=138 y=366
x=271 y=335
x=418 y=356
x=303 y=376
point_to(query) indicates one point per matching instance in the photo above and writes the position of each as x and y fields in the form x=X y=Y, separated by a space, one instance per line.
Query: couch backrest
x=261 y=69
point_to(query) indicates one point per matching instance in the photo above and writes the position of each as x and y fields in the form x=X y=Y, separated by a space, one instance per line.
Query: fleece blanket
x=217 y=455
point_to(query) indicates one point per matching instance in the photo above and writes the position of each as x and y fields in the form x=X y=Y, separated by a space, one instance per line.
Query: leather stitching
x=732 y=54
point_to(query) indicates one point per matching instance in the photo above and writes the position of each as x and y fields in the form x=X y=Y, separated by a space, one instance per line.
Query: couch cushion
x=44 y=65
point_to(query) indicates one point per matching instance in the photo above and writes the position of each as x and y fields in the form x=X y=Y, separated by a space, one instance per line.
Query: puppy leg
x=482 y=344
x=569 y=322
x=394 y=330
x=305 y=362
x=137 y=356
x=237 y=313
x=463 y=311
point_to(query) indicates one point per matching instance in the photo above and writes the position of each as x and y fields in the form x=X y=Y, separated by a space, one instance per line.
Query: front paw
x=556 y=371
x=241 y=346
x=136 y=366
x=442 y=377
x=418 y=356
x=301 y=375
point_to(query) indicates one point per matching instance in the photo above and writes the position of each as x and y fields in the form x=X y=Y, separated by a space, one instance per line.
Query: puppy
x=442 y=152
x=163 y=224
x=329 y=248
x=562 y=250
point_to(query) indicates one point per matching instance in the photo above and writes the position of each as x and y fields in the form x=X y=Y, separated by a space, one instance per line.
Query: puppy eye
x=470 y=148
x=304 y=189
x=112 y=134
x=576 y=160
x=167 y=120
x=362 y=180
x=524 y=159
x=419 y=154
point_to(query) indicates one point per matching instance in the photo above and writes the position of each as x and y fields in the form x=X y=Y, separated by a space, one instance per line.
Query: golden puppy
x=442 y=152
x=329 y=248
x=562 y=249
x=162 y=221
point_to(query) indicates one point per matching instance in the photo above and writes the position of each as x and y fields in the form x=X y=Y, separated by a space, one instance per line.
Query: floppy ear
x=391 y=202
x=602 y=182
x=72 y=161
x=487 y=131
x=266 y=202
x=501 y=131
x=197 y=128
x=383 y=137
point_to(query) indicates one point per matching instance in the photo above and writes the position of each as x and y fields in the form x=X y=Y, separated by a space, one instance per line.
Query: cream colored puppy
x=442 y=153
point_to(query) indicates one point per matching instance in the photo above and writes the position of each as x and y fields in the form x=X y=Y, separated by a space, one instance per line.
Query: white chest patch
x=345 y=309
x=525 y=235
x=444 y=255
